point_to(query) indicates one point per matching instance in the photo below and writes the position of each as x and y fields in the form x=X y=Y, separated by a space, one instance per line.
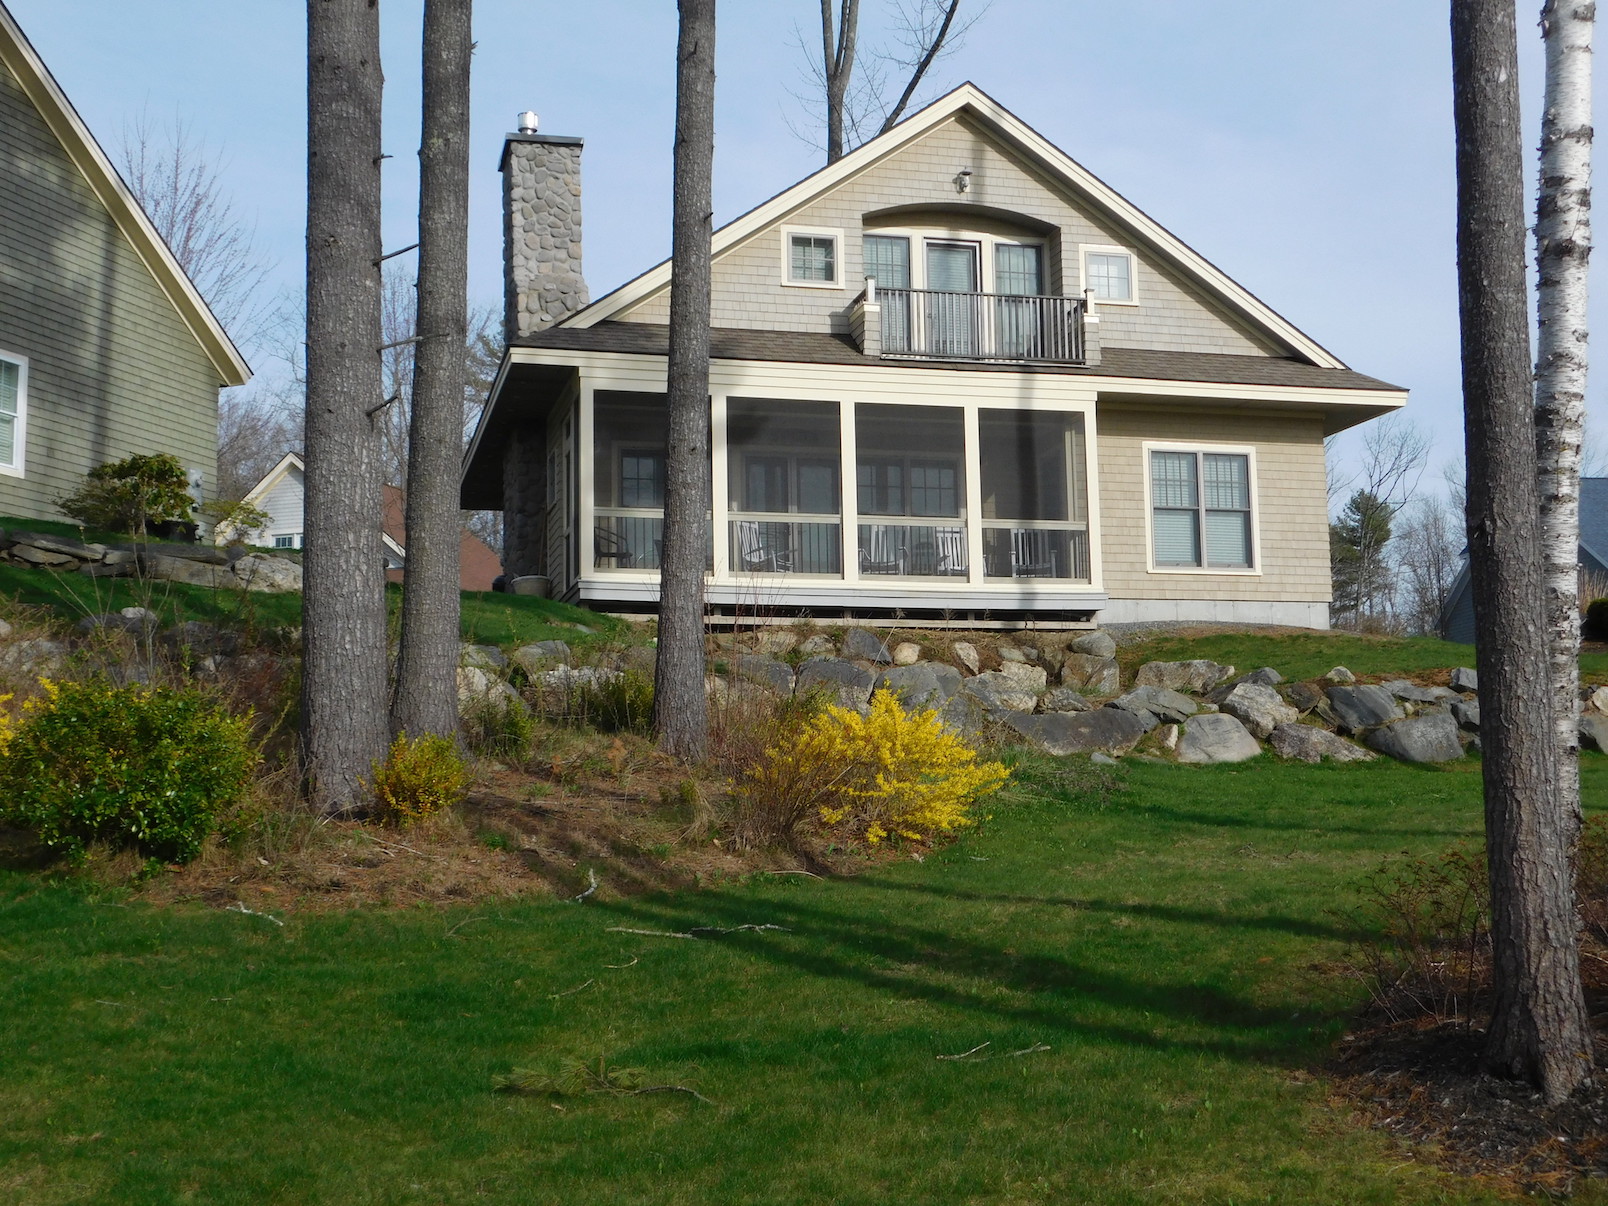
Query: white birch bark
x=1563 y=249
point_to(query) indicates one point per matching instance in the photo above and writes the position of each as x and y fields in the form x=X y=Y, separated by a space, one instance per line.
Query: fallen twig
x=570 y=991
x=1029 y=1050
x=622 y=966
x=965 y=1054
x=811 y=874
x=239 y=906
x=592 y=879
x=670 y=1089
x=409 y=849
x=461 y=924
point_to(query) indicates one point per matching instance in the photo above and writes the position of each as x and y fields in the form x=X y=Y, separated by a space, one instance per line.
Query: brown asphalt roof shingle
x=806 y=347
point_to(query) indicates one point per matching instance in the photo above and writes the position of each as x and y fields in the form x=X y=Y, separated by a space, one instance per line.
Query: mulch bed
x=1422 y=1081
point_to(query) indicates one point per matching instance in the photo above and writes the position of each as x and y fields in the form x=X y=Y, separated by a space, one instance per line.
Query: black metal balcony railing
x=981 y=326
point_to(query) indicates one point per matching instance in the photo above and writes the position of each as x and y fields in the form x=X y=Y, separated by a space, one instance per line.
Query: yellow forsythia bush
x=891 y=772
x=420 y=777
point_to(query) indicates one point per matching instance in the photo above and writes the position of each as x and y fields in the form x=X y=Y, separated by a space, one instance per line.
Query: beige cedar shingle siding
x=747 y=289
x=112 y=368
x=1289 y=508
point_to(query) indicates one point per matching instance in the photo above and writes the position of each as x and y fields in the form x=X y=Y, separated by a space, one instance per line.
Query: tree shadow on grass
x=942 y=967
x=1298 y=926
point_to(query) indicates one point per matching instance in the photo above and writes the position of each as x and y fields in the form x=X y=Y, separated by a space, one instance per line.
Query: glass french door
x=952 y=283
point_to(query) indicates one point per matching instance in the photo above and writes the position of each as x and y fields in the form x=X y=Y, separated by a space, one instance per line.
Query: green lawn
x=1164 y=946
x=488 y=618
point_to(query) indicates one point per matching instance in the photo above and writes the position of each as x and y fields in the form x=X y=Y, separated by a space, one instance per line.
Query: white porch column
x=974 y=496
x=719 y=488
x=848 y=486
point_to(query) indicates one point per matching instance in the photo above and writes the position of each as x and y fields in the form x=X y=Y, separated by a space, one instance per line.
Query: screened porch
x=874 y=493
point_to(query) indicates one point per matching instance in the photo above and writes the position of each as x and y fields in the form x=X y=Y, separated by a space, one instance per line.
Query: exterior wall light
x=963 y=180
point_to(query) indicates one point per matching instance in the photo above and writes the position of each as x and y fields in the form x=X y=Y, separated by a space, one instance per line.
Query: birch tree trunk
x=426 y=693
x=1562 y=251
x=343 y=727
x=1538 y=1028
x=680 y=705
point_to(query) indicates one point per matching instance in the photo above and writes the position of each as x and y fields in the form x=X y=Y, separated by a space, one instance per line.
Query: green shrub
x=499 y=728
x=1596 y=625
x=148 y=767
x=420 y=777
x=619 y=705
x=132 y=495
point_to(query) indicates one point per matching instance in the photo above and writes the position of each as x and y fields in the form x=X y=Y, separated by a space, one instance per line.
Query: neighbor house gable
x=1186 y=303
x=56 y=112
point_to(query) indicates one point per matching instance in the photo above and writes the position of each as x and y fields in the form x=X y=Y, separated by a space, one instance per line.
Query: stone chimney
x=542 y=280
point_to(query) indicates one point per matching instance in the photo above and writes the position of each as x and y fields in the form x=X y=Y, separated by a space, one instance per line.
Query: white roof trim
x=18 y=55
x=968 y=97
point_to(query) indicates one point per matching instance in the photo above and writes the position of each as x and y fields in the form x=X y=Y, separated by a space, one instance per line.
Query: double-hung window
x=13 y=411
x=813 y=258
x=1200 y=509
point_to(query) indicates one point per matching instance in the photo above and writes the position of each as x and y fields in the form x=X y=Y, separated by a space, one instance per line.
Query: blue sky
x=1305 y=149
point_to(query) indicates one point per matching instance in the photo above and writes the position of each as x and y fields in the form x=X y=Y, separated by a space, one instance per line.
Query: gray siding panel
x=112 y=368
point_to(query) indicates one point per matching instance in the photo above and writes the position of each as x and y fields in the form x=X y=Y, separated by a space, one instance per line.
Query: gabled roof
x=18 y=55
x=1594 y=517
x=274 y=476
x=1017 y=135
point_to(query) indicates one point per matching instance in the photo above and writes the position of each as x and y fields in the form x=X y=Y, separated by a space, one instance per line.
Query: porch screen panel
x=1174 y=500
x=911 y=488
x=887 y=261
x=629 y=435
x=783 y=469
x=1035 y=512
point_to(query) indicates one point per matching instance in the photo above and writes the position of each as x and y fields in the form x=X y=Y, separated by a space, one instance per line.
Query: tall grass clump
x=890 y=773
x=144 y=767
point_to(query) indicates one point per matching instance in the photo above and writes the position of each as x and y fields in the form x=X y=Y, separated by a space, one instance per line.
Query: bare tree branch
x=178 y=180
x=934 y=45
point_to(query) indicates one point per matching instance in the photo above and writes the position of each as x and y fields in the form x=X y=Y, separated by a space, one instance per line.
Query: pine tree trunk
x=426 y=694
x=1562 y=249
x=1538 y=1024
x=680 y=705
x=343 y=609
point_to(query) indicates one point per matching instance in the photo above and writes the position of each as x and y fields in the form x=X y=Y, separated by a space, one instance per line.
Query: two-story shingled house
x=953 y=374
x=106 y=347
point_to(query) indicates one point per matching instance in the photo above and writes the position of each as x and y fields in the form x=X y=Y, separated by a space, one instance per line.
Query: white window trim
x=18 y=467
x=1254 y=570
x=818 y=232
x=920 y=236
x=1133 y=273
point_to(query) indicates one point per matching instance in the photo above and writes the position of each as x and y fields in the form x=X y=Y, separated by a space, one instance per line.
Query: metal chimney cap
x=527 y=122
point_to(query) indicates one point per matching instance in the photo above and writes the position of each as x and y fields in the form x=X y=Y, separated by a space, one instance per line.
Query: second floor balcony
x=941 y=325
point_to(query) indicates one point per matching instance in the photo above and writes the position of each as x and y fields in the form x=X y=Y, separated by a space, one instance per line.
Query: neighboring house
x=280 y=495
x=106 y=347
x=1457 y=616
x=953 y=375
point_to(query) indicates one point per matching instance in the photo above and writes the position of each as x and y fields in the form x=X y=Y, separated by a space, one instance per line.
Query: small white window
x=13 y=412
x=292 y=541
x=1108 y=275
x=1201 y=509
x=812 y=258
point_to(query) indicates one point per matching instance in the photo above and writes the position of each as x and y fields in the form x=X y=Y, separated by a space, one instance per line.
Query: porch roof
x=808 y=347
